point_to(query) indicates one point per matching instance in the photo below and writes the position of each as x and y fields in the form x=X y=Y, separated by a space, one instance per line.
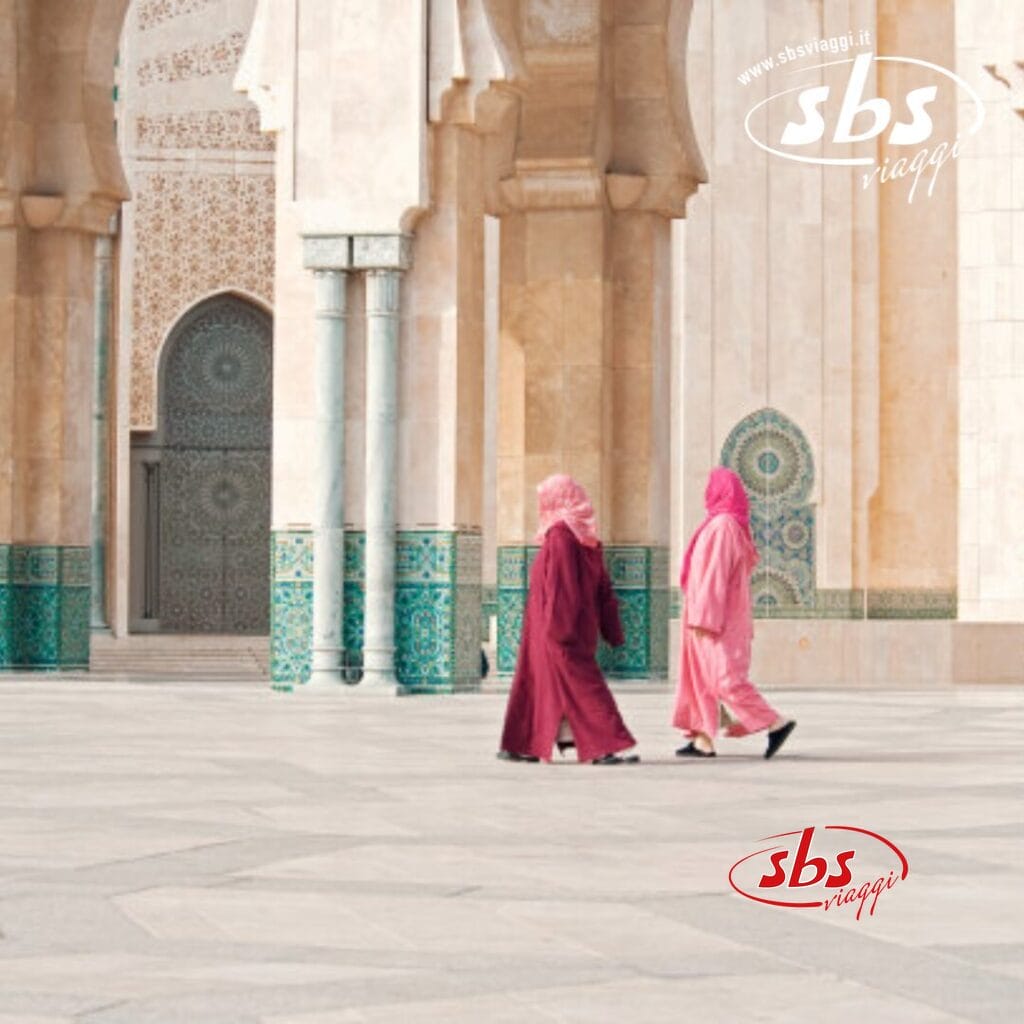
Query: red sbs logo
x=830 y=867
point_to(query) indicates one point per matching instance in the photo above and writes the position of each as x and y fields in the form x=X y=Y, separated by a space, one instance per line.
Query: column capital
x=382 y=252
x=327 y=252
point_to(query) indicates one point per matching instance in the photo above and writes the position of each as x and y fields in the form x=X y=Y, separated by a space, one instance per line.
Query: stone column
x=101 y=338
x=384 y=257
x=328 y=257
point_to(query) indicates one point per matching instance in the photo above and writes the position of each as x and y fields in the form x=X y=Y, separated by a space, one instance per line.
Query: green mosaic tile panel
x=5 y=605
x=638 y=574
x=44 y=607
x=35 y=627
x=424 y=636
x=511 y=604
x=291 y=608
x=632 y=659
x=437 y=608
x=426 y=557
x=353 y=614
x=657 y=633
x=73 y=649
x=355 y=557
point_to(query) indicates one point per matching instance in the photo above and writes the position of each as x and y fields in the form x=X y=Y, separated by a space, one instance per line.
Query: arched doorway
x=201 y=481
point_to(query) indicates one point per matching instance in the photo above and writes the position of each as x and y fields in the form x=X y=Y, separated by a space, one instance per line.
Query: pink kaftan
x=714 y=668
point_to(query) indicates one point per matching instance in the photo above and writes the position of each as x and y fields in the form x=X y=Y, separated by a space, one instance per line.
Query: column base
x=382 y=681
x=324 y=679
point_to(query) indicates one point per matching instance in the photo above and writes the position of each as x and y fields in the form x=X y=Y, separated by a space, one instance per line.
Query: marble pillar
x=100 y=440
x=384 y=258
x=327 y=256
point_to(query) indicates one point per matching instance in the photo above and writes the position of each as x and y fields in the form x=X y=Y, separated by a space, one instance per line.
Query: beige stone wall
x=442 y=345
x=917 y=333
x=833 y=304
x=201 y=219
x=990 y=42
x=55 y=142
x=765 y=277
x=554 y=380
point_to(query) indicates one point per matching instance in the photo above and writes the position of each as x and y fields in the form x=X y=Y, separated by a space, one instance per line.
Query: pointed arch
x=773 y=459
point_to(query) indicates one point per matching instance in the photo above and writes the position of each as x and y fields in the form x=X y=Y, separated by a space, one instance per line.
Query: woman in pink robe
x=718 y=626
x=558 y=693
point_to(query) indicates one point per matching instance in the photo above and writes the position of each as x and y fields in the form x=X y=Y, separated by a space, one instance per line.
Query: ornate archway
x=772 y=457
x=201 y=481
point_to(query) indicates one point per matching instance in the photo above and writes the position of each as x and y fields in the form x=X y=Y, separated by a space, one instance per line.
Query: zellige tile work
x=291 y=608
x=774 y=461
x=44 y=607
x=639 y=575
x=437 y=608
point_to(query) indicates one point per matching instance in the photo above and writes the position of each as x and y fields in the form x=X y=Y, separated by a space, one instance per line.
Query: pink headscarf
x=724 y=494
x=561 y=500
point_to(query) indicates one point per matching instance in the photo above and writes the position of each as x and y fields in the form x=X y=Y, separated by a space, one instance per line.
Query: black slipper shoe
x=691 y=751
x=507 y=755
x=616 y=759
x=777 y=737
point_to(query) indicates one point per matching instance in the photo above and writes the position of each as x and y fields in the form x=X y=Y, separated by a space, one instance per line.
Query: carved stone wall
x=201 y=219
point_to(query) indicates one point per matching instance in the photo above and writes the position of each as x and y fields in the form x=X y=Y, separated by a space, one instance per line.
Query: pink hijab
x=724 y=494
x=561 y=500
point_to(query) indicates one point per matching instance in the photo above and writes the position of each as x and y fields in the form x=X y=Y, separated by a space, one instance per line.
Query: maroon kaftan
x=570 y=601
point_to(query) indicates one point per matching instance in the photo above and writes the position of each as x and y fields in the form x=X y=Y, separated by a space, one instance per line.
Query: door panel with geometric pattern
x=211 y=516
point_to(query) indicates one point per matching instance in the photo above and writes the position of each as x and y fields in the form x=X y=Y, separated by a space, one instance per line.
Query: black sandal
x=617 y=759
x=691 y=751
x=777 y=737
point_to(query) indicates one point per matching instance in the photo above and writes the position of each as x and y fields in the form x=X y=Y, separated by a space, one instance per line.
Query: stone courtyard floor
x=221 y=853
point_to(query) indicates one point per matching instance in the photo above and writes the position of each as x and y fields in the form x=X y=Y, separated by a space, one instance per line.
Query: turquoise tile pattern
x=44 y=607
x=291 y=608
x=639 y=575
x=437 y=608
x=774 y=461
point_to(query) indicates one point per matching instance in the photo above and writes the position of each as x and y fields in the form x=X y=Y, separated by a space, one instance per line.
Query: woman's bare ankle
x=703 y=743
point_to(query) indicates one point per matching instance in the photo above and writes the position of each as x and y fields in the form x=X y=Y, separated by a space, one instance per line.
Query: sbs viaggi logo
x=831 y=868
x=832 y=119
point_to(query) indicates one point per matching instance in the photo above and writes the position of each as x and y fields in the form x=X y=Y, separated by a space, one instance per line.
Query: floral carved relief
x=196 y=234
x=207 y=129
x=217 y=58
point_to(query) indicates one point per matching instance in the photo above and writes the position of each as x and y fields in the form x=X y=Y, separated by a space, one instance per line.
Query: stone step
x=181 y=658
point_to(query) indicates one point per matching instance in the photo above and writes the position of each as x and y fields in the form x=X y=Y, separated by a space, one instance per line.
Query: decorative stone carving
x=195 y=234
x=205 y=129
x=198 y=61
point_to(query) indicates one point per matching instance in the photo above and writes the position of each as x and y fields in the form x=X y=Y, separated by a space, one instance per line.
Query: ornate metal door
x=208 y=515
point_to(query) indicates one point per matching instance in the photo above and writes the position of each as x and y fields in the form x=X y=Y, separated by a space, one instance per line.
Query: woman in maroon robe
x=558 y=693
